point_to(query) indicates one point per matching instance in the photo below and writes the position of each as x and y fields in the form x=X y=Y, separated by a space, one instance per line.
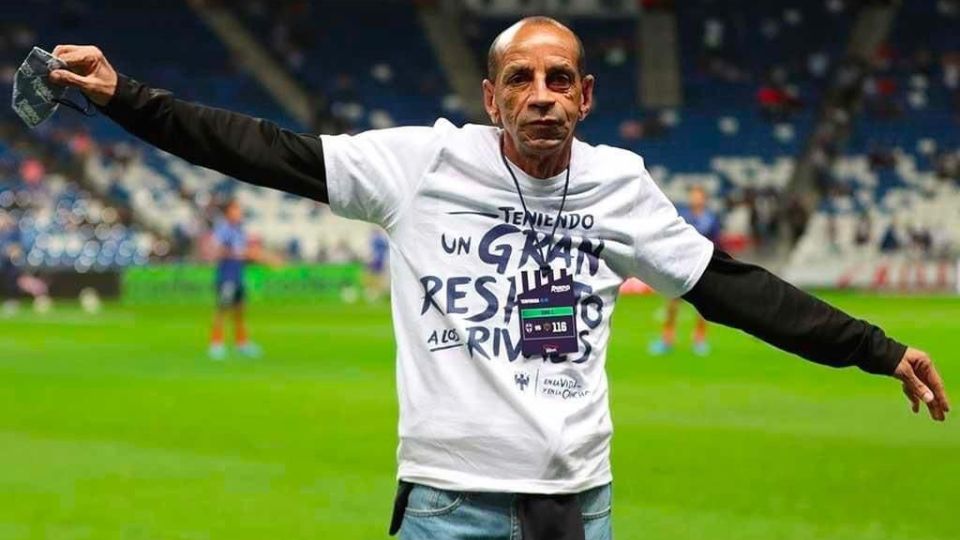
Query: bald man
x=508 y=246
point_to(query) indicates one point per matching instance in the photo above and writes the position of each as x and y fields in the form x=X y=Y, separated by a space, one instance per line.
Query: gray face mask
x=35 y=98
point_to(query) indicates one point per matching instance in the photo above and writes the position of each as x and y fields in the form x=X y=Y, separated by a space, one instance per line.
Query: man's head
x=537 y=89
x=697 y=198
x=233 y=212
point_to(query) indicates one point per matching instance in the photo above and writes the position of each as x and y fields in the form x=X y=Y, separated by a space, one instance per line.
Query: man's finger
x=61 y=49
x=936 y=384
x=65 y=77
x=929 y=375
x=935 y=411
x=919 y=389
x=914 y=402
x=77 y=57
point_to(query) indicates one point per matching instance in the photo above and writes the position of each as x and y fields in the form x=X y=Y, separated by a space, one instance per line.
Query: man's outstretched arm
x=250 y=149
x=747 y=297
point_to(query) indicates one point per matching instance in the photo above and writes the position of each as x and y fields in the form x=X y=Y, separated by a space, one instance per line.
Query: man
x=707 y=223
x=375 y=277
x=508 y=246
x=233 y=251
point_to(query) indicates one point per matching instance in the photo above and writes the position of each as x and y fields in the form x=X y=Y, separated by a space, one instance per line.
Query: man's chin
x=543 y=146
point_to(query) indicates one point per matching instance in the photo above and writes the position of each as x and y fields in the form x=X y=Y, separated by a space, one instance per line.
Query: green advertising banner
x=194 y=284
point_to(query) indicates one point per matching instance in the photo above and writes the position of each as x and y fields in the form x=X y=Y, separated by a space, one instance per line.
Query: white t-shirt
x=475 y=415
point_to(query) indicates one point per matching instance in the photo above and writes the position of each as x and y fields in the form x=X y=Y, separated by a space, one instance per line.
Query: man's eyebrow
x=510 y=69
x=563 y=68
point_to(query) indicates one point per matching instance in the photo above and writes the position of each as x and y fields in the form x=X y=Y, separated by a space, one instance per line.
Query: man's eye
x=516 y=79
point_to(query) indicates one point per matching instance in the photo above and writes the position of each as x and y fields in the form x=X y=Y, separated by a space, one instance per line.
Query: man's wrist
x=879 y=354
x=122 y=97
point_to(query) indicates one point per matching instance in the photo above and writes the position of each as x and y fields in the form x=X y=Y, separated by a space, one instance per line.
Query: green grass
x=115 y=426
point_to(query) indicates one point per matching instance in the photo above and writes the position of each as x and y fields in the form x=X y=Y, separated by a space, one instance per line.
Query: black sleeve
x=747 y=297
x=249 y=149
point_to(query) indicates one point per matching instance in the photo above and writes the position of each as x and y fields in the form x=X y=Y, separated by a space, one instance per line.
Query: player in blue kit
x=707 y=223
x=233 y=252
x=376 y=276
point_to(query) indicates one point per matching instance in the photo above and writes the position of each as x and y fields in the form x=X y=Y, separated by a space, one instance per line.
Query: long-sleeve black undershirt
x=747 y=297
x=730 y=292
x=250 y=149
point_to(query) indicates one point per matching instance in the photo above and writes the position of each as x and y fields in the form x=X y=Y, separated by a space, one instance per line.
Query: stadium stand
x=751 y=78
x=58 y=224
x=164 y=194
x=391 y=76
x=753 y=75
x=893 y=200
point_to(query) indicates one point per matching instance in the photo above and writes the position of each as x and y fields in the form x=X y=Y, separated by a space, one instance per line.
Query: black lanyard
x=528 y=215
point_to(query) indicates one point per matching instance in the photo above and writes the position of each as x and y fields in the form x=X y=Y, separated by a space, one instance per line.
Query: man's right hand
x=922 y=383
x=87 y=70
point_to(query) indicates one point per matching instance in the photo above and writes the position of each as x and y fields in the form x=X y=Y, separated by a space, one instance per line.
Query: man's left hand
x=921 y=382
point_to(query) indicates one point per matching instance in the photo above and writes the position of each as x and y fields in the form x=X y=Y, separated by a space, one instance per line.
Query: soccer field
x=116 y=426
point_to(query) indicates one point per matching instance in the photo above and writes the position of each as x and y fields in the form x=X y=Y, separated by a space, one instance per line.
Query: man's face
x=234 y=213
x=697 y=199
x=538 y=95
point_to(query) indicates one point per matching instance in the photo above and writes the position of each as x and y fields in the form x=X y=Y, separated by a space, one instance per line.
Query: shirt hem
x=450 y=481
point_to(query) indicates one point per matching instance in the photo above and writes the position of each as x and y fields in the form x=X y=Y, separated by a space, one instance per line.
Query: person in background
x=864 y=230
x=376 y=276
x=233 y=251
x=707 y=223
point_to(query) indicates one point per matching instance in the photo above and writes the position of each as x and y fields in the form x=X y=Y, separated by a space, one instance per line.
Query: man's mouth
x=545 y=122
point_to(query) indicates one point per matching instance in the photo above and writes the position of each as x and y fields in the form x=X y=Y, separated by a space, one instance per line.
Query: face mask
x=35 y=98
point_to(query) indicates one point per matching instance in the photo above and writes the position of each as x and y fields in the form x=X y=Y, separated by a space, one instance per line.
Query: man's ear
x=586 y=96
x=490 y=102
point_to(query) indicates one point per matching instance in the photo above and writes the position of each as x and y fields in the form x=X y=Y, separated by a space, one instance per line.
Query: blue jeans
x=436 y=514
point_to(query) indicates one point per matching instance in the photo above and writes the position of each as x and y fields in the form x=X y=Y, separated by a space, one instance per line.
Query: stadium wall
x=193 y=284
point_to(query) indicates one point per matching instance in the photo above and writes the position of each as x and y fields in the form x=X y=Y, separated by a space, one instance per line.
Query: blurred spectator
x=796 y=217
x=832 y=233
x=818 y=63
x=32 y=171
x=631 y=130
x=947 y=165
x=920 y=239
x=777 y=102
x=864 y=230
x=881 y=157
x=763 y=216
x=891 y=241
x=880 y=96
x=772 y=101
x=941 y=241
x=294 y=252
x=713 y=33
x=651 y=127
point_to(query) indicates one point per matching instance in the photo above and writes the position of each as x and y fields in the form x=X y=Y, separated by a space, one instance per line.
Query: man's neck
x=538 y=166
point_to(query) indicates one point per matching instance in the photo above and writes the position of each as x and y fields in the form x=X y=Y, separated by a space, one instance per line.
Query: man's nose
x=541 y=98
